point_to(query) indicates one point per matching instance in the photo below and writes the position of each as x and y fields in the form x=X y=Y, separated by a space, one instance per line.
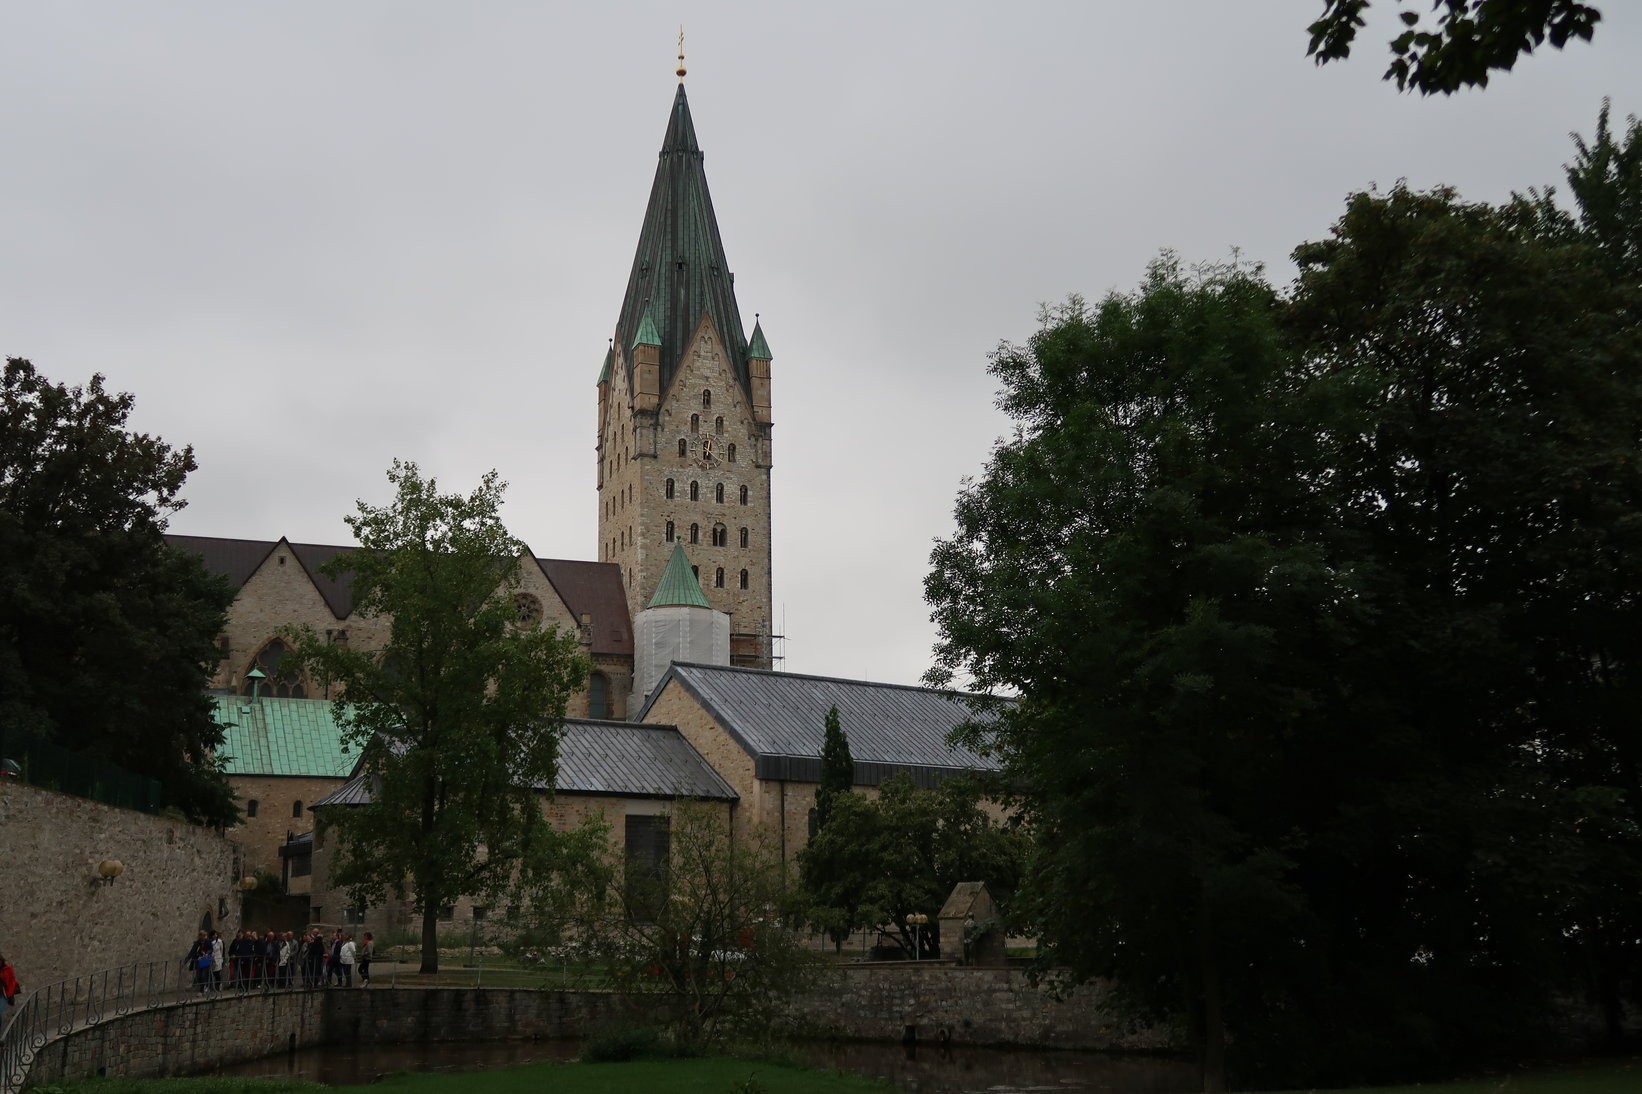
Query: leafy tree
x=707 y=931
x=106 y=634
x=1321 y=610
x=458 y=714
x=837 y=769
x=878 y=861
x=1469 y=40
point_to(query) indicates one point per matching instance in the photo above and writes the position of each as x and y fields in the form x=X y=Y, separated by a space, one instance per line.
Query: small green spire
x=758 y=347
x=647 y=335
x=604 y=373
x=678 y=586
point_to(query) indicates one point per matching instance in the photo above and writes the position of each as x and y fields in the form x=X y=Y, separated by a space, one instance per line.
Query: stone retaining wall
x=935 y=1002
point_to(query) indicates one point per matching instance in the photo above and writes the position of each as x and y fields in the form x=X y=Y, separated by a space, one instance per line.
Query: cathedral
x=674 y=615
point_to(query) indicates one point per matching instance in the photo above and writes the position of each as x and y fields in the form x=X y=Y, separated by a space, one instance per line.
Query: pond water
x=921 y=1070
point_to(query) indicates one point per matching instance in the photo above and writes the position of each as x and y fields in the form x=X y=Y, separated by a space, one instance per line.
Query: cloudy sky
x=312 y=237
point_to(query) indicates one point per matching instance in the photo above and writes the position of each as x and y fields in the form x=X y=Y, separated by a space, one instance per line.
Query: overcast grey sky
x=312 y=237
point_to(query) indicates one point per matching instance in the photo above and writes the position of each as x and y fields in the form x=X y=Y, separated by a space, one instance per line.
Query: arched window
x=683 y=448
x=718 y=424
x=744 y=537
x=296 y=809
x=743 y=495
x=707 y=399
x=281 y=685
x=695 y=423
x=598 y=696
x=729 y=453
x=721 y=536
x=696 y=572
x=695 y=534
x=743 y=579
x=669 y=531
x=669 y=489
x=695 y=490
x=718 y=493
x=718 y=578
x=251 y=808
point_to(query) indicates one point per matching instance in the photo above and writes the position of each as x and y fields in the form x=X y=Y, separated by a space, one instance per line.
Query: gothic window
x=718 y=578
x=695 y=423
x=743 y=495
x=721 y=536
x=707 y=399
x=273 y=683
x=695 y=534
x=683 y=447
x=669 y=489
x=695 y=490
x=743 y=579
x=718 y=424
x=669 y=531
x=729 y=453
x=296 y=809
x=718 y=493
x=744 y=537
x=598 y=696
x=528 y=609
x=251 y=808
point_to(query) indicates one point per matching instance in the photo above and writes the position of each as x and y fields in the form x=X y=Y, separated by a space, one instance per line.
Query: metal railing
x=61 y=1008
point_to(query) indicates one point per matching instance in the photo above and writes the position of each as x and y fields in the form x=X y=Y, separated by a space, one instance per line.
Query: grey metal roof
x=622 y=759
x=779 y=718
x=630 y=759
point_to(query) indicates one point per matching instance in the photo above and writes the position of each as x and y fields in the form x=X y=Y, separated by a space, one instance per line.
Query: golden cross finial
x=681 y=53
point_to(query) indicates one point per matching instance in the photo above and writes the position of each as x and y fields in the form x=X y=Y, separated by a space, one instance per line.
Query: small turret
x=647 y=365
x=758 y=371
x=679 y=625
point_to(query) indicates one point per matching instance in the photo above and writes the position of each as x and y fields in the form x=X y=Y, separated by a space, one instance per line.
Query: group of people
x=274 y=960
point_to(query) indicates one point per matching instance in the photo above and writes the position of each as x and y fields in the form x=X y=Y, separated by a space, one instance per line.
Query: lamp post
x=916 y=921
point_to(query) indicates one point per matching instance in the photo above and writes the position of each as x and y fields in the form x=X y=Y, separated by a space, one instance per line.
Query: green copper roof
x=758 y=347
x=281 y=737
x=647 y=335
x=679 y=270
x=679 y=587
x=604 y=373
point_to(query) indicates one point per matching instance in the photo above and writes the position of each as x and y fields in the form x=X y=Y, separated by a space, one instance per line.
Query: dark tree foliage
x=1322 y=613
x=106 y=634
x=1468 y=40
x=837 y=769
x=877 y=861
x=458 y=715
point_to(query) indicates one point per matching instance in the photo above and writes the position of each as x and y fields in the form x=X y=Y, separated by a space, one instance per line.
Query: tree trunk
x=430 y=936
x=1214 y=1018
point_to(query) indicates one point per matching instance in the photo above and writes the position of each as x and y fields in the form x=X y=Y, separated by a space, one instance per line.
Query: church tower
x=684 y=412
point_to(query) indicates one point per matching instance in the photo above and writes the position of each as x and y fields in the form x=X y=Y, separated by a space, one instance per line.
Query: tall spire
x=679 y=269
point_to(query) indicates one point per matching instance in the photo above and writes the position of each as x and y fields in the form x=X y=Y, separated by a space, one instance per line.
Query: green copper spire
x=679 y=271
x=678 y=586
x=758 y=347
x=647 y=335
x=604 y=373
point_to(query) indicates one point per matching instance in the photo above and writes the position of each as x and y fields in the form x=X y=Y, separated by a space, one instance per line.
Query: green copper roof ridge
x=756 y=346
x=679 y=586
x=647 y=335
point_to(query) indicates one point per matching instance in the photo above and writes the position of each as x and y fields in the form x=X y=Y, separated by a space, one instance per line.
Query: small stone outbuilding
x=970 y=928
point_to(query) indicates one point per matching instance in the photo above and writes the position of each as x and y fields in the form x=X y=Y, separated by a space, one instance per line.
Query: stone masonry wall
x=56 y=922
x=878 y=1002
x=938 y=1002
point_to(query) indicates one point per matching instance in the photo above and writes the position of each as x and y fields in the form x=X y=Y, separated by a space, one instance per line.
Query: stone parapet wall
x=938 y=1002
x=57 y=922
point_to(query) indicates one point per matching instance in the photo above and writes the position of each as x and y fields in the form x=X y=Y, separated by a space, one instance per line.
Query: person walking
x=9 y=991
x=367 y=950
x=198 y=961
x=216 y=960
x=333 y=974
x=349 y=955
